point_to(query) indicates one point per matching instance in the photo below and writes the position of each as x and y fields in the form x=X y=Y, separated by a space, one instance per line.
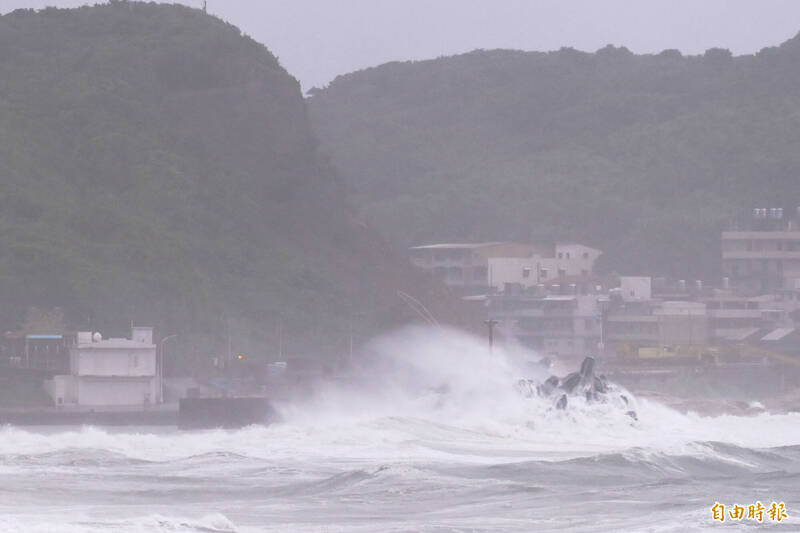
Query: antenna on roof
x=205 y=6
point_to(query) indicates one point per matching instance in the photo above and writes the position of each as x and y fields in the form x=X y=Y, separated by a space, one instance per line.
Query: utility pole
x=351 y=337
x=491 y=323
x=205 y=6
x=280 y=340
x=230 y=354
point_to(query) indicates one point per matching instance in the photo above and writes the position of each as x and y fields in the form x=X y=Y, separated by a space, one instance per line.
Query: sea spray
x=422 y=392
x=444 y=388
x=429 y=434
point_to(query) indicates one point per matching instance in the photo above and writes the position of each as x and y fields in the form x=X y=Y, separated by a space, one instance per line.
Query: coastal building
x=682 y=323
x=564 y=261
x=46 y=352
x=735 y=318
x=763 y=254
x=565 y=326
x=632 y=324
x=465 y=267
x=639 y=316
x=635 y=288
x=40 y=344
x=109 y=372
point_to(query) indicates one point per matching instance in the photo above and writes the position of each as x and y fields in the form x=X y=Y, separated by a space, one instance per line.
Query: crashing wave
x=583 y=383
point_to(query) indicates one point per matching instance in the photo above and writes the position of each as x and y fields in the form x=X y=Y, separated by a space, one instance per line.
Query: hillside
x=644 y=156
x=159 y=167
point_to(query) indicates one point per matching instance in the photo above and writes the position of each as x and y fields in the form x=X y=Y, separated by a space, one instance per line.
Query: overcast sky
x=316 y=40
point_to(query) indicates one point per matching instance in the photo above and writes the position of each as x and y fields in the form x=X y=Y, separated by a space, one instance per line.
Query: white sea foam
x=428 y=434
x=39 y=523
x=431 y=394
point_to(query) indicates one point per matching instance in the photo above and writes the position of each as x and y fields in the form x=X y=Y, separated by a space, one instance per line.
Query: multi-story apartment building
x=560 y=321
x=465 y=267
x=764 y=254
x=479 y=267
x=732 y=318
x=652 y=323
x=564 y=260
x=564 y=326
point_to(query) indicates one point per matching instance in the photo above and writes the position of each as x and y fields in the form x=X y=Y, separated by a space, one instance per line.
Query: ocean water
x=429 y=435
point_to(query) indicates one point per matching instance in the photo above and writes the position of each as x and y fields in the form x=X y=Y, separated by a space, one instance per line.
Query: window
x=560 y=255
x=454 y=273
x=543 y=273
x=526 y=272
x=567 y=255
x=586 y=255
x=561 y=272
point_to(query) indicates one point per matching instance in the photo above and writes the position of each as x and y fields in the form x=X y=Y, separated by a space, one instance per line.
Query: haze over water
x=430 y=435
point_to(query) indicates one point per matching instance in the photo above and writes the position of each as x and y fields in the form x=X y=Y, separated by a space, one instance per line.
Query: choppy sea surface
x=432 y=437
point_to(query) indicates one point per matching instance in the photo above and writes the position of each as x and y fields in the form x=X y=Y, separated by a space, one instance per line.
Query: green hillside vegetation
x=647 y=157
x=157 y=166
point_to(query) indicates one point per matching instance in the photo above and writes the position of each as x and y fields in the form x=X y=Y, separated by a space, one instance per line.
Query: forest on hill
x=647 y=157
x=158 y=167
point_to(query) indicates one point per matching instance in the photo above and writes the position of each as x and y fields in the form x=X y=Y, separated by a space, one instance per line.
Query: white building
x=764 y=256
x=565 y=326
x=109 y=372
x=635 y=288
x=466 y=266
x=562 y=261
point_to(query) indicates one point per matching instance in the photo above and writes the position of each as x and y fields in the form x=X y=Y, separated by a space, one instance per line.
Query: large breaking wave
x=428 y=393
x=427 y=432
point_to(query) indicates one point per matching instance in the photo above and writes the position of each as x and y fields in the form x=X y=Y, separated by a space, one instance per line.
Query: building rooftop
x=447 y=246
x=777 y=334
x=115 y=343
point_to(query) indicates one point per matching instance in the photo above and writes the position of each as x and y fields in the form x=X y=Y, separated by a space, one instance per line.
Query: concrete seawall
x=225 y=412
x=162 y=415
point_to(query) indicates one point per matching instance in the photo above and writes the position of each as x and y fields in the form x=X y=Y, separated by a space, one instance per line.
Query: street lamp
x=161 y=365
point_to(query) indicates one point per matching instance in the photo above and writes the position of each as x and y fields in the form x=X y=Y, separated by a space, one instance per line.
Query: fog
x=488 y=291
x=317 y=40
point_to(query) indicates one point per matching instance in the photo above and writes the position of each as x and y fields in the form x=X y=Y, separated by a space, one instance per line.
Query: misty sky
x=316 y=40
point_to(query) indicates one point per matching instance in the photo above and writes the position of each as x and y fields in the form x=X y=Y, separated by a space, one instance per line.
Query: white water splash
x=430 y=429
x=423 y=393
